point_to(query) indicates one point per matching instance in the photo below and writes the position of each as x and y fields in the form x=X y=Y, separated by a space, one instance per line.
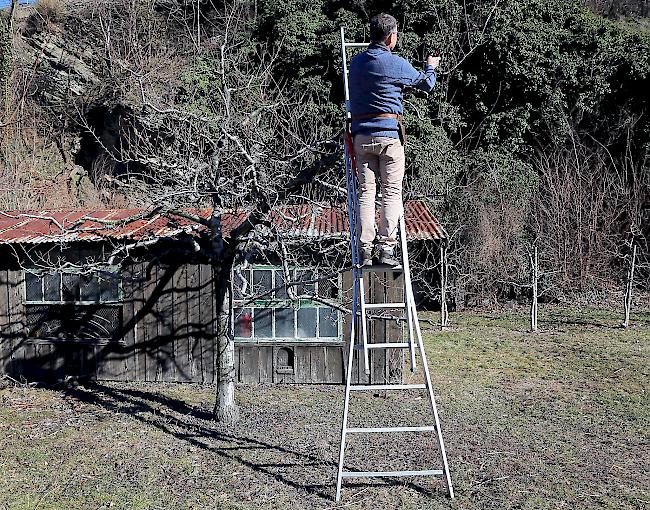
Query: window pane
x=305 y=288
x=307 y=323
x=90 y=256
x=284 y=322
x=328 y=289
x=243 y=323
x=328 y=322
x=263 y=322
x=70 y=287
x=281 y=288
x=89 y=287
x=262 y=283
x=108 y=289
x=241 y=283
x=52 y=287
x=73 y=322
x=33 y=287
x=102 y=324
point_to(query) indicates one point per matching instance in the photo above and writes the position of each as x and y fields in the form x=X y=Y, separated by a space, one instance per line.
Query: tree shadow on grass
x=565 y=317
x=194 y=425
x=578 y=321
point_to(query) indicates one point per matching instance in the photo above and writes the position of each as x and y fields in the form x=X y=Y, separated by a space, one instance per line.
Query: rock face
x=61 y=62
x=63 y=67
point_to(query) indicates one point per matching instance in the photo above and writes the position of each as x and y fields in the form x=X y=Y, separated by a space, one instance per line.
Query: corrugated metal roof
x=305 y=220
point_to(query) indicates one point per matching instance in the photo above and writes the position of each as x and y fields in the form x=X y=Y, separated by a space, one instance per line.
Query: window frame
x=118 y=301
x=273 y=303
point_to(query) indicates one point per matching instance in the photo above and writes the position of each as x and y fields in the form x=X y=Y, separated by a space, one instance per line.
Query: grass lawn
x=558 y=419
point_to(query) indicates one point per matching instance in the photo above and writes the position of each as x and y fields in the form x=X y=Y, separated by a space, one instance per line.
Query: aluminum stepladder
x=358 y=324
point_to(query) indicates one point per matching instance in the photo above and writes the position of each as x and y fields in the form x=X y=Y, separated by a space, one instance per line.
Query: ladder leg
x=346 y=404
x=364 y=324
x=434 y=407
x=407 y=285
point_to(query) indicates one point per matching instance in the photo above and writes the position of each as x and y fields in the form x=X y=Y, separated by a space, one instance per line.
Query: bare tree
x=184 y=111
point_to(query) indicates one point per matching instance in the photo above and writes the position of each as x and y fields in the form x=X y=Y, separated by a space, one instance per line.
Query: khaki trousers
x=383 y=157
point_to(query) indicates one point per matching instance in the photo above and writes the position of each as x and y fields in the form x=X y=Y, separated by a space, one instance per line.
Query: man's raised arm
x=423 y=80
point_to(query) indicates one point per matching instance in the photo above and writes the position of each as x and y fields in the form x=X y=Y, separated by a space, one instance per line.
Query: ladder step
x=372 y=306
x=370 y=474
x=390 y=345
x=364 y=430
x=371 y=387
x=382 y=268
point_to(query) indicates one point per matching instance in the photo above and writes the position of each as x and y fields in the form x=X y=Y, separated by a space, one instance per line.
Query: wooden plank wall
x=385 y=364
x=169 y=319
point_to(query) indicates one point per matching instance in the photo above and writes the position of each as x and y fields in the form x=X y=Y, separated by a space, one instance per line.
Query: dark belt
x=363 y=116
x=397 y=116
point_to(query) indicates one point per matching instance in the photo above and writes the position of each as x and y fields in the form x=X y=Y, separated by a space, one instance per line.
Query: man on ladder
x=376 y=79
x=373 y=98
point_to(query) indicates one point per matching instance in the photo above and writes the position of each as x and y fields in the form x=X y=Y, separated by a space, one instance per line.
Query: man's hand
x=433 y=61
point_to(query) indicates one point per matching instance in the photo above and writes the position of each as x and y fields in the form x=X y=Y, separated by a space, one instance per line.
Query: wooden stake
x=444 y=312
x=628 y=289
x=534 y=277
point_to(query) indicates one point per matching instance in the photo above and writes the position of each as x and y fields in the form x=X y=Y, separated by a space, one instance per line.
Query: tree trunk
x=6 y=60
x=628 y=289
x=225 y=407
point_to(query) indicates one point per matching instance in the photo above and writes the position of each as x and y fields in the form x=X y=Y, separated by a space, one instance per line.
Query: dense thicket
x=537 y=134
x=538 y=131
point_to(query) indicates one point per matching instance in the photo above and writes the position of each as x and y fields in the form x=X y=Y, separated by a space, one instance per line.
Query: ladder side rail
x=408 y=289
x=432 y=401
x=353 y=206
x=351 y=189
x=364 y=325
x=346 y=405
x=427 y=376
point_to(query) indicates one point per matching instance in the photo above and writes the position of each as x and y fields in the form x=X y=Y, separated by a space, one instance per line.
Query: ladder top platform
x=382 y=268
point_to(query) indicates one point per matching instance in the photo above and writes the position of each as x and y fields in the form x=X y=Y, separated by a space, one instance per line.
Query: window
x=73 y=322
x=71 y=287
x=263 y=310
x=73 y=306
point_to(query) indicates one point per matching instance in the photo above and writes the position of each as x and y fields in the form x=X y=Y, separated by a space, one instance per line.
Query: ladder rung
x=369 y=474
x=383 y=268
x=387 y=345
x=356 y=45
x=371 y=387
x=373 y=306
x=363 y=430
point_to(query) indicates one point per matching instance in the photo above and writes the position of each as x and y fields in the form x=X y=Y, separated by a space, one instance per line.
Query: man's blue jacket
x=376 y=80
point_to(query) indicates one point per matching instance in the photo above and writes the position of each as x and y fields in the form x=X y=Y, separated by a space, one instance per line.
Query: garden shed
x=67 y=310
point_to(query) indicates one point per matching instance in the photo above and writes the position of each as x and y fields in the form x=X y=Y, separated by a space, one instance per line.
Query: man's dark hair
x=381 y=27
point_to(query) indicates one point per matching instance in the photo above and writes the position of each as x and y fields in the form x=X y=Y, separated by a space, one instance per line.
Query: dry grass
x=52 y=11
x=560 y=419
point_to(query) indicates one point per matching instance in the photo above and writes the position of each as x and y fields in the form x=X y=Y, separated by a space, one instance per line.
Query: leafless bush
x=51 y=11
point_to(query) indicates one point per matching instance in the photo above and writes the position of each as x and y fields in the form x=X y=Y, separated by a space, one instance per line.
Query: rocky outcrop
x=63 y=67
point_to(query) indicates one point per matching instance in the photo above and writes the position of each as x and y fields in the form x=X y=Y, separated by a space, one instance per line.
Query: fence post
x=628 y=288
x=444 y=312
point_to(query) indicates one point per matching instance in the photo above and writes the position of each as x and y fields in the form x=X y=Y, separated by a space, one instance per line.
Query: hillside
x=537 y=132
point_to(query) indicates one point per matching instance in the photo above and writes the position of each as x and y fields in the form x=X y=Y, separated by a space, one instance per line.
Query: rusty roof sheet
x=304 y=220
